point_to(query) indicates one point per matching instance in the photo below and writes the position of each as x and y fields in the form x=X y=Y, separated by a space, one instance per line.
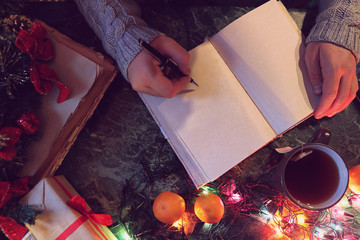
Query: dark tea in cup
x=313 y=176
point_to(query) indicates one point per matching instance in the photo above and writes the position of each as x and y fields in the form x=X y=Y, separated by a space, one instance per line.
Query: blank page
x=265 y=50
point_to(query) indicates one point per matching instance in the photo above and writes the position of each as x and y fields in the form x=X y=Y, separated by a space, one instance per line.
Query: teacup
x=313 y=175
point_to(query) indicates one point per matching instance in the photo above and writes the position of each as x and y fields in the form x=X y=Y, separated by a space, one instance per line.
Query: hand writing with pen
x=146 y=73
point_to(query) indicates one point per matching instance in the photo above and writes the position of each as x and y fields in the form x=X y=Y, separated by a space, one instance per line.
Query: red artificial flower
x=8 y=137
x=8 y=226
x=38 y=47
x=28 y=122
x=42 y=76
x=34 y=43
x=16 y=189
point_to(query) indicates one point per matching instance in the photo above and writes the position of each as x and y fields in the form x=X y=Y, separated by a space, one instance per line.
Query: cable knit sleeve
x=338 y=22
x=119 y=26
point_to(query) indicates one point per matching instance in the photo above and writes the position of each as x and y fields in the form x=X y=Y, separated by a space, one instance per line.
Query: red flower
x=8 y=137
x=9 y=191
x=28 y=122
x=34 y=43
x=38 y=47
x=8 y=226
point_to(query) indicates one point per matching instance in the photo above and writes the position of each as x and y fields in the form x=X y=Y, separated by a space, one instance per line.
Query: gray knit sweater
x=119 y=26
x=338 y=22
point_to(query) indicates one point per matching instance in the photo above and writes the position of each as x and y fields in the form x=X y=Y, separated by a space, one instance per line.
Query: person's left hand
x=332 y=72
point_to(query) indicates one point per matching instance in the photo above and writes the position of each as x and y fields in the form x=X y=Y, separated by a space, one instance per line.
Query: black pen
x=164 y=61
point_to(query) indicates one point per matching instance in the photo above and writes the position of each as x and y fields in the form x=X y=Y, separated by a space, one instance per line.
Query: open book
x=253 y=86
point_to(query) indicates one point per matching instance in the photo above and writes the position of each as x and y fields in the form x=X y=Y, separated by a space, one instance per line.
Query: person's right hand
x=145 y=75
x=332 y=72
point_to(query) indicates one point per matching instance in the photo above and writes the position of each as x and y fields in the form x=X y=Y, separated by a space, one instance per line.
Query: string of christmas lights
x=269 y=206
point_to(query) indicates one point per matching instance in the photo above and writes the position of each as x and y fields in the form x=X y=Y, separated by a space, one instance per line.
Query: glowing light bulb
x=125 y=236
x=355 y=201
x=178 y=224
x=337 y=227
x=120 y=232
x=338 y=212
x=344 y=202
x=278 y=236
x=301 y=219
x=236 y=197
x=206 y=227
x=321 y=233
x=278 y=231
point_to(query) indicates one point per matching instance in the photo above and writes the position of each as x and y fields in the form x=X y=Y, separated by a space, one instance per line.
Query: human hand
x=332 y=72
x=145 y=75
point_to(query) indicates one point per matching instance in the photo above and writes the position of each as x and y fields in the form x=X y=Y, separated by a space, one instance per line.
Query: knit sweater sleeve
x=119 y=26
x=338 y=22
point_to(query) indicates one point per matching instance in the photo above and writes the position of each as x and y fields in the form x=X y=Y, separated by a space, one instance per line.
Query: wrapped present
x=65 y=214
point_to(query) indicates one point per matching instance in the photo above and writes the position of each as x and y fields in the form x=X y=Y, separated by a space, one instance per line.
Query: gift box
x=87 y=74
x=65 y=215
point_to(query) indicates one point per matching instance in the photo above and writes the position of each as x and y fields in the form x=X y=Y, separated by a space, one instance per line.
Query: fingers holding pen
x=172 y=49
x=146 y=75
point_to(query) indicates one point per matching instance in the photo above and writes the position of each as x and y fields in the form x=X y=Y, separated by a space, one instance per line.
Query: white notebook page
x=265 y=50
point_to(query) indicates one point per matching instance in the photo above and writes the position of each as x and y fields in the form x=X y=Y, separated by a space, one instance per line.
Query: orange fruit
x=209 y=208
x=168 y=207
x=354 y=179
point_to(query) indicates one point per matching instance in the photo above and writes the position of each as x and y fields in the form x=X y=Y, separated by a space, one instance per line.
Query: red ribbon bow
x=38 y=47
x=8 y=137
x=8 y=226
x=78 y=203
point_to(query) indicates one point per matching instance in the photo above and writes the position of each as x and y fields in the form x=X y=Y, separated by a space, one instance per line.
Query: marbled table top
x=121 y=145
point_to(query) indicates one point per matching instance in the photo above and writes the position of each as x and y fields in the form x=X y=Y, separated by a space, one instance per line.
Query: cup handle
x=322 y=135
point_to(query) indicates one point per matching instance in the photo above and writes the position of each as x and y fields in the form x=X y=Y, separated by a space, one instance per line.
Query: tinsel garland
x=17 y=94
x=24 y=76
x=18 y=102
x=10 y=7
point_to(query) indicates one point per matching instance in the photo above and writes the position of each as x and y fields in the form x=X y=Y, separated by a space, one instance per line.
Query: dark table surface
x=121 y=160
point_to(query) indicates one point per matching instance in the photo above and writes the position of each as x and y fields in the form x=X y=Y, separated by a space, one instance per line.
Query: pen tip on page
x=192 y=81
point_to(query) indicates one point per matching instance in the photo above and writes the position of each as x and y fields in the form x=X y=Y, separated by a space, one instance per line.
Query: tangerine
x=209 y=208
x=354 y=179
x=168 y=207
